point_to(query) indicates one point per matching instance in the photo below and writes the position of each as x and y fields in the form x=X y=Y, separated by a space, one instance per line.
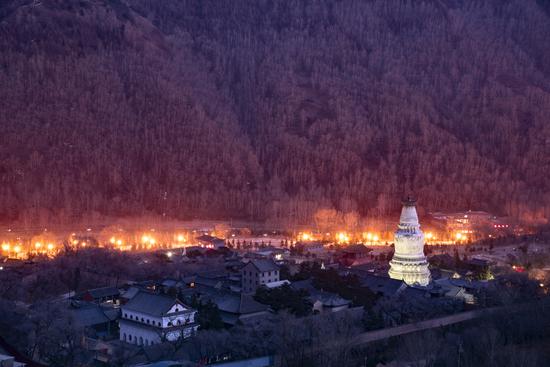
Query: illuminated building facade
x=409 y=262
x=150 y=318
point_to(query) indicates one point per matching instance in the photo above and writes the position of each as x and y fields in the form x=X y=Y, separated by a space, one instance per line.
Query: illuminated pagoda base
x=409 y=262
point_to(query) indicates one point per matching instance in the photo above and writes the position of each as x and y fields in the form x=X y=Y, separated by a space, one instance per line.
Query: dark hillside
x=267 y=109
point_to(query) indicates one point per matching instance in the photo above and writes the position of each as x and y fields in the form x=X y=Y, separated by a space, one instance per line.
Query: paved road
x=419 y=326
x=375 y=335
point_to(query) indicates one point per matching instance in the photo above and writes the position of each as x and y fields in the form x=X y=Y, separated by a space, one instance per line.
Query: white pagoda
x=409 y=262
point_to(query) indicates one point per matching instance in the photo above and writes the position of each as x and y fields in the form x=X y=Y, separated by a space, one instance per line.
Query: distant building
x=474 y=224
x=462 y=220
x=354 y=255
x=477 y=265
x=101 y=295
x=277 y=284
x=98 y=321
x=268 y=252
x=409 y=262
x=210 y=242
x=239 y=308
x=257 y=273
x=312 y=247
x=455 y=289
x=321 y=301
x=150 y=318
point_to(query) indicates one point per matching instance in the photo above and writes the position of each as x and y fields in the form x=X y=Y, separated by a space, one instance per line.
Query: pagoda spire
x=409 y=262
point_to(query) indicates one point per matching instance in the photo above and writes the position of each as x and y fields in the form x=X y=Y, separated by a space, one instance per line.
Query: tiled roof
x=130 y=293
x=215 y=283
x=384 y=285
x=328 y=299
x=150 y=303
x=89 y=315
x=475 y=284
x=277 y=284
x=264 y=265
x=102 y=292
x=249 y=305
x=238 y=304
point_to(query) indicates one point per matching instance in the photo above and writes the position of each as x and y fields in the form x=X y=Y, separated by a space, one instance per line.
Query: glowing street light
x=17 y=249
x=6 y=247
x=306 y=236
x=342 y=237
x=460 y=237
x=112 y=240
x=180 y=238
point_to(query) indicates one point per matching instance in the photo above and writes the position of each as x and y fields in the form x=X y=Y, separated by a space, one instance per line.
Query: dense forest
x=272 y=110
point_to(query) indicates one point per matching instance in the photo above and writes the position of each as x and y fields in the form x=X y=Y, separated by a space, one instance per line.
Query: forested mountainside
x=269 y=109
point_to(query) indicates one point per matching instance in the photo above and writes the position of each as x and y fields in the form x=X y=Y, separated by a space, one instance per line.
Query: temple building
x=150 y=318
x=409 y=262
